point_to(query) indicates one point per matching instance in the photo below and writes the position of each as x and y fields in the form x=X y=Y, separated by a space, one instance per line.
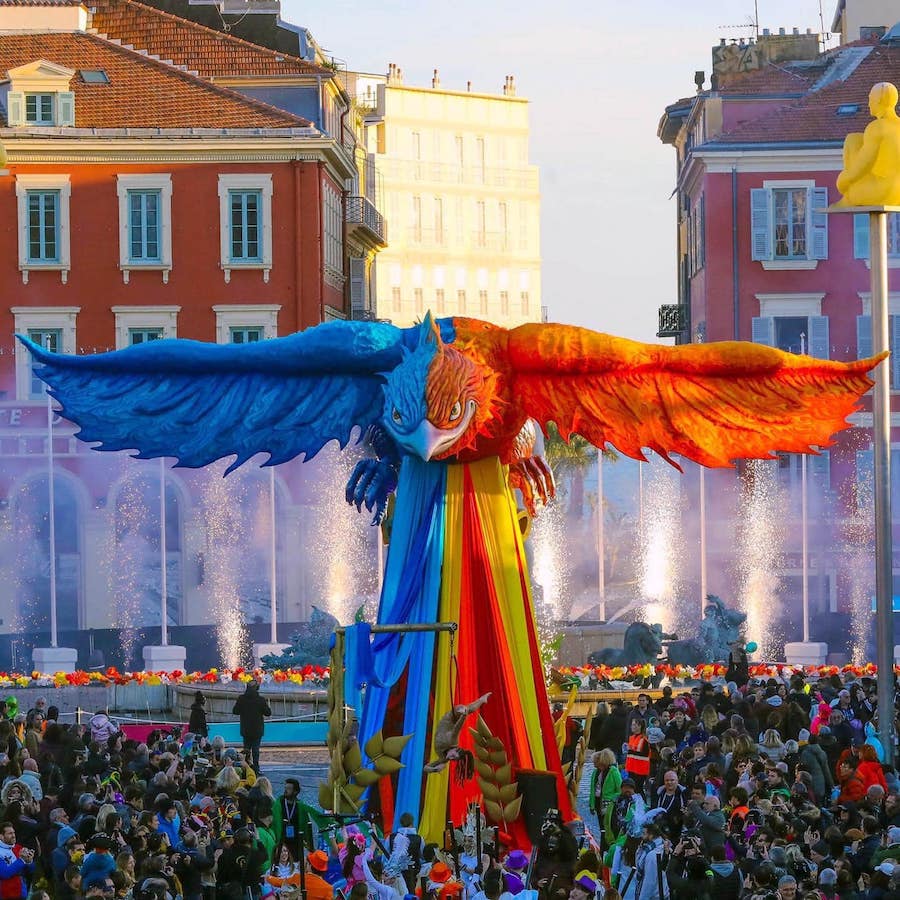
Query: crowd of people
x=765 y=791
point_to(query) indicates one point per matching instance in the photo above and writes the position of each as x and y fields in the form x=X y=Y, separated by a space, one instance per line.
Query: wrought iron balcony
x=361 y=213
x=672 y=320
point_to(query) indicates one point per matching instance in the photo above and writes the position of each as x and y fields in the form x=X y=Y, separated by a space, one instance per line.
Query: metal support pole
x=163 y=573
x=405 y=629
x=881 y=436
x=273 y=563
x=52 y=517
x=703 y=584
x=804 y=542
x=601 y=541
x=379 y=559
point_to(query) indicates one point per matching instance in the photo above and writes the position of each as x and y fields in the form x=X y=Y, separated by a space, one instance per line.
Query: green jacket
x=612 y=786
x=266 y=837
x=306 y=816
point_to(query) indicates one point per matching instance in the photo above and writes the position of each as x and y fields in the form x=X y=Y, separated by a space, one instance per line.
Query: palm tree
x=570 y=459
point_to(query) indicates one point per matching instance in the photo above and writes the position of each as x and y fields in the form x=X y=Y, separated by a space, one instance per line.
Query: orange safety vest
x=637 y=761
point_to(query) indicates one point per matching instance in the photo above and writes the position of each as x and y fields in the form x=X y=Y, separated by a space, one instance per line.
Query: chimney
x=797 y=31
x=766 y=32
x=435 y=79
x=469 y=86
x=781 y=31
x=512 y=85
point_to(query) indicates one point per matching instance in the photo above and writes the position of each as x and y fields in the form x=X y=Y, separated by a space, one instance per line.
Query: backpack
x=416 y=846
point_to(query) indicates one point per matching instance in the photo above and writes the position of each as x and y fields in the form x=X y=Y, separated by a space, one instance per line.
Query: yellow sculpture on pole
x=871 y=174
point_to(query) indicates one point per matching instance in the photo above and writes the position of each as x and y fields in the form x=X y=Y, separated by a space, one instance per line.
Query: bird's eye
x=395 y=415
x=456 y=411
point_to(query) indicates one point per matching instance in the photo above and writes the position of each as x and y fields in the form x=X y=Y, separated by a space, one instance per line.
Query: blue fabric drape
x=410 y=593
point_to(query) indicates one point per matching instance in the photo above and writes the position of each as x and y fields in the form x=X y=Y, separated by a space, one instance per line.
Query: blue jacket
x=12 y=873
x=97 y=865
x=170 y=829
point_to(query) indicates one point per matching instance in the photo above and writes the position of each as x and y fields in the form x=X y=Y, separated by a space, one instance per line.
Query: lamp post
x=51 y=513
x=273 y=562
x=601 y=538
x=703 y=584
x=163 y=573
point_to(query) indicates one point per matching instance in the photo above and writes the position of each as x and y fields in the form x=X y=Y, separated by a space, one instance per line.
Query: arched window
x=32 y=518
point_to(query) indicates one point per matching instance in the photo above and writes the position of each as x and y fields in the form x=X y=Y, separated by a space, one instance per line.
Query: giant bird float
x=447 y=408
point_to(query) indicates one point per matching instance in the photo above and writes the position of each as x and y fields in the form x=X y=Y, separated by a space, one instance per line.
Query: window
x=461 y=302
x=39 y=109
x=483 y=303
x=479 y=158
x=333 y=212
x=396 y=300
x=142 y=324
x=49 y=326
x=245 y=238
x=143 y=226
x=418 y=301
x=503 y=216
x=245 y=224
x=864 y=344
x=861 y=235
x=416 y=219
x=523 y=300
x=789 y=227
x=50 y=339
x=245 y=323
x=144 y=335
x=818 y=472
x=245 y=335
x=145 y=223
x=480 y=222
x=795 y=334
x=439 y=300
x=43 y=226
x=697 y=236
x=865 y=479
x=504 y=303
x=43 y=213
x=438 y=220
x=460 y=154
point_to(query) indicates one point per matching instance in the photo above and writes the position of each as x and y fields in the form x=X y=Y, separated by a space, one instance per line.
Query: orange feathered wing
x=711 y=403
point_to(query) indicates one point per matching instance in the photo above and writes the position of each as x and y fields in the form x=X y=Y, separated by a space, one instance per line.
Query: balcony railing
x=362 y=212
x=672 y=320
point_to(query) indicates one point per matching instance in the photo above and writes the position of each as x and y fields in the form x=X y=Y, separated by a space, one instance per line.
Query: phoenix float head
x=437 y=400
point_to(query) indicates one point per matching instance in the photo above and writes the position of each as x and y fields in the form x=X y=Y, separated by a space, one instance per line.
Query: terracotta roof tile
x=142 y=93
x=771 y=79
x=815 y=116
x=205 y=51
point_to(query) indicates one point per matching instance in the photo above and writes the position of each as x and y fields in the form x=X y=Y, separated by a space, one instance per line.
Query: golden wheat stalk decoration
x=502 y=802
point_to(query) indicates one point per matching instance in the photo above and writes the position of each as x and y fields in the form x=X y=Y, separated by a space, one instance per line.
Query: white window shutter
x=760 y=223
x=818 y=201
x=15 y=108
x=860 y=236
x=65 y=108
x=863 y=337
x=895 y=355
x=357 y=284
x=819 y=344
x=763 y=331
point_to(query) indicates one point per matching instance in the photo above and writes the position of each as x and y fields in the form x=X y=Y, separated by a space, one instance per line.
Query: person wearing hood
x=102 y=727
x=873 y=740
x=869 y=767
x=726 y=879
x=650 y=878
x=822 y=717
x=99 y=863
x=197 y=723
x=69 y=849
x=814 y=761
x=687 y=873
x=252 y=708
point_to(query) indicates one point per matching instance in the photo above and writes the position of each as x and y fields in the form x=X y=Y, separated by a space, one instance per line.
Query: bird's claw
x=370 y=485
x=533 y=478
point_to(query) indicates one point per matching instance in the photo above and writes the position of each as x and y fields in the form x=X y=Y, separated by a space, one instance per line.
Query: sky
x=598 y=75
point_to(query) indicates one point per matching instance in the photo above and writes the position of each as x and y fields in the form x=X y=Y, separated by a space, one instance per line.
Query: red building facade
x=143 y=197
x=758 y=156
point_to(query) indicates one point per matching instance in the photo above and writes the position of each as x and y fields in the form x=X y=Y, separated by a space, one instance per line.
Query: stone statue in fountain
x=719 y=628
x=309 y=646
x=642 y=644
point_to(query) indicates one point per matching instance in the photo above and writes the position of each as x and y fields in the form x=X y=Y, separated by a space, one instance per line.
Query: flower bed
x=311 y=676
x=711 y=671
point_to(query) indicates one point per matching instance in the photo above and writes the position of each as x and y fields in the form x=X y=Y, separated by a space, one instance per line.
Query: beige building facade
x=461 y=200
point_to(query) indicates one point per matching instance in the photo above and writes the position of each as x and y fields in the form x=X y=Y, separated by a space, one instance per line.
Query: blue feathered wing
x=199 y=402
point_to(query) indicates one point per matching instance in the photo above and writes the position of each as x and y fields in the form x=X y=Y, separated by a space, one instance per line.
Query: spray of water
x=760 y=556
x=858 y=549
x=661 y=545
x=550 y=571
x=221 y=502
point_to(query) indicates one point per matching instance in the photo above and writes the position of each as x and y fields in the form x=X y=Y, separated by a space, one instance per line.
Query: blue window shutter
x=818 y=200
x=894 y=325
x=760 y=224
x=820 y=470
x=819 y=344
x=763 y=331
x=15 y=108
x=865 y=465
x=860 y=236
x=65 y=108
x=863 y=337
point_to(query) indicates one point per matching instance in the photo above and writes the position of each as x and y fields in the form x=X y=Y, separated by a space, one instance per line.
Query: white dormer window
x=39 y=95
